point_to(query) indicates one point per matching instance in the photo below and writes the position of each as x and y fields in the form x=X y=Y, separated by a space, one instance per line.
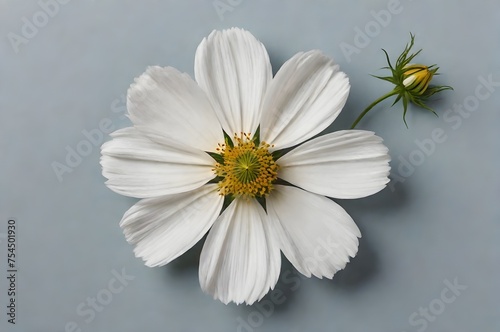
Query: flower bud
x=410 y=81
x=416 y=78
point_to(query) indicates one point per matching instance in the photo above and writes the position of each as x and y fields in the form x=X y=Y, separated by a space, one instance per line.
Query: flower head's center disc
x=247 y=167
x=248 y=170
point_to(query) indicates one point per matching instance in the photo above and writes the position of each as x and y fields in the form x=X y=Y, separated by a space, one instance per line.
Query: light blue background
x=441 y=223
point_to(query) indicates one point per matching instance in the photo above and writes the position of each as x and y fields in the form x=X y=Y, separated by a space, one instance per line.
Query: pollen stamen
x=248 y=170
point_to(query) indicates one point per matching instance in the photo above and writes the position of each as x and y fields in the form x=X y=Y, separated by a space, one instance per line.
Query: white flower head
x=177 y=158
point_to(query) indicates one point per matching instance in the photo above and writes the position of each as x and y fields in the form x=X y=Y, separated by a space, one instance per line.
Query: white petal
x=343 y=164
x=164 y=228
x=166 y=105
x=233 y=68
x=240 y=260
x=138 y=167
x=304 y=98
x=315 y=233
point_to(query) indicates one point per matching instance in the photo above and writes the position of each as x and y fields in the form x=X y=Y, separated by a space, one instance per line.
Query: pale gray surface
x=440 y=224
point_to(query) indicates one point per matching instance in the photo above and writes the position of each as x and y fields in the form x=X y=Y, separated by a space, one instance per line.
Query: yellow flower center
x=247 y=169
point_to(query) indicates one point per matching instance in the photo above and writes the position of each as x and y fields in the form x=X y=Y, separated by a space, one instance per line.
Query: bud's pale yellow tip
x=416 y=78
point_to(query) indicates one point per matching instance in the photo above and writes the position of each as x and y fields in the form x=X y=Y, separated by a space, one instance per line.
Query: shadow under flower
x=188 y=262
x=390 y=199
x=360 y=271
x=290 y=283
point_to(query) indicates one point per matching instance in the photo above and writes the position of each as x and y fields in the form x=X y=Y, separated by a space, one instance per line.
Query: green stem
x=392 y=93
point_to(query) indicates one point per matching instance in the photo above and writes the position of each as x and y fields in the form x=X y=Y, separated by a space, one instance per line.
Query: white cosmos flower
x=164 y=159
